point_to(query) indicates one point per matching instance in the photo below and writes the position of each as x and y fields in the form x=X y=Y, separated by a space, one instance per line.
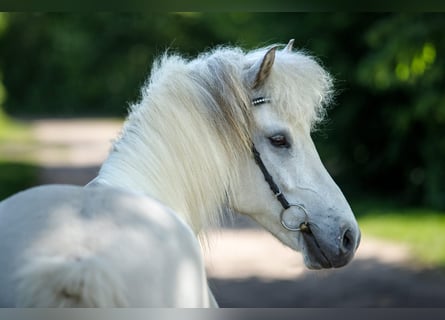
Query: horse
x=229 y=129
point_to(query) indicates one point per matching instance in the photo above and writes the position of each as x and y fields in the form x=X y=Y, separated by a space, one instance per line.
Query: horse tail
x=62 y=282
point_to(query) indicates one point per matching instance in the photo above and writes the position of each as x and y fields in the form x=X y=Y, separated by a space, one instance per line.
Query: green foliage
x=403 y=70
x=71 y=64
x=385 y=134
x=15 y=177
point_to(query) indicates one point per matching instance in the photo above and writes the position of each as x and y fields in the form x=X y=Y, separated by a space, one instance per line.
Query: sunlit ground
x=254 y=252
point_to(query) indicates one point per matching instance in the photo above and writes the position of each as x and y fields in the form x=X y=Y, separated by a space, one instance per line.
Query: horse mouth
x=315 y=258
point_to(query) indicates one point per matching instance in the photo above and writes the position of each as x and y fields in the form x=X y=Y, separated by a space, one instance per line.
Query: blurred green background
x=384 y=142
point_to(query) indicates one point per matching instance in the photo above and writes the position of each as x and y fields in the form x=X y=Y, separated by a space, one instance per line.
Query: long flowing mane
x=193 y=125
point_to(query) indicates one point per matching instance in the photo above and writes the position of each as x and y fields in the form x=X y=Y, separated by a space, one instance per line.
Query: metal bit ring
x=304 y=226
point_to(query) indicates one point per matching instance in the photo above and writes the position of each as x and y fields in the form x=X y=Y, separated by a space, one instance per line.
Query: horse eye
x=279 y=141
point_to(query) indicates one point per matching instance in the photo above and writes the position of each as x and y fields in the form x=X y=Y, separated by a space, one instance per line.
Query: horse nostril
x=358 y=240
x=347 y=242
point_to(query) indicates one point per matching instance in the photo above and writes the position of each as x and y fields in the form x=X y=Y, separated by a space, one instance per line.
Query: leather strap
x=269 y=179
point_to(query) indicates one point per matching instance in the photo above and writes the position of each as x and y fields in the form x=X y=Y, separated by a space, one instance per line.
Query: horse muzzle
x=323 y=251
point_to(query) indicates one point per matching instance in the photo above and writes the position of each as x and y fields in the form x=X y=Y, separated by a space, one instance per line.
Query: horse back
x=96 y=247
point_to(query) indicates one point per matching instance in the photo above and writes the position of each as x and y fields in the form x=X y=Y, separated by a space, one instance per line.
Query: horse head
x=284 y=185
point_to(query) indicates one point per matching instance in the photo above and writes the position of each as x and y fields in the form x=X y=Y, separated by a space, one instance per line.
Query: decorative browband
x=260 y=100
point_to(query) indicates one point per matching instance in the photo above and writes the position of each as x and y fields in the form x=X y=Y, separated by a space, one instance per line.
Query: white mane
x=184 y=140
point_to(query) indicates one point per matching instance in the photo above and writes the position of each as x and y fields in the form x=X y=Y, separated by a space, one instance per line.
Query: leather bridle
x=304 y=226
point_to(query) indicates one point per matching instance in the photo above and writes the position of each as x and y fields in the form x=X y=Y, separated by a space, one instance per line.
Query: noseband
x=304 y=226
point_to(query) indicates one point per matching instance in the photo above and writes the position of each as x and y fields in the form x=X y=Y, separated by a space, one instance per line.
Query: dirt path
x=250 y=268
x=246 y=265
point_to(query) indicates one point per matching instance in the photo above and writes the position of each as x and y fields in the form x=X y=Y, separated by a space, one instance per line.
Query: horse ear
x=259 y=72
x=289 y=45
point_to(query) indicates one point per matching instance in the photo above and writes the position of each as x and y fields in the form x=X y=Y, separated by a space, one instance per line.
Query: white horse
x=228 y=129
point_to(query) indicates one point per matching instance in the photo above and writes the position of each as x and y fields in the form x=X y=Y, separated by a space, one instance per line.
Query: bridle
x=304 y=226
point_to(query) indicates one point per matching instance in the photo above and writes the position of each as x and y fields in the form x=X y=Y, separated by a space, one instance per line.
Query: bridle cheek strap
x=269 y=179
x=304 y=226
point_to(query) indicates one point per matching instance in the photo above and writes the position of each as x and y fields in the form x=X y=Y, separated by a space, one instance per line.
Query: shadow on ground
x=67 y=174
x=364 y=283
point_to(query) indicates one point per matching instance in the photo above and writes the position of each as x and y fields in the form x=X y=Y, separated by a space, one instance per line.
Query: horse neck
x=176 y=157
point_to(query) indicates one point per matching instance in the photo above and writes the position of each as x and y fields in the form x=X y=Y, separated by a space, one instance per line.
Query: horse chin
x=313 y=264
x=316 y=263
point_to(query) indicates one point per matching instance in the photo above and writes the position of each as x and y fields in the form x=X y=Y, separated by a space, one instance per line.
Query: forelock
x=300 y=88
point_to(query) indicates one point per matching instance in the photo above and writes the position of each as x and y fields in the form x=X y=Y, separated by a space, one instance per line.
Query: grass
x=422 y=230
x=12 y=131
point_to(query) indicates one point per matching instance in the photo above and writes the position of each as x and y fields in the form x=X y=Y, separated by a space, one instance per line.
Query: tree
x=403 y=69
